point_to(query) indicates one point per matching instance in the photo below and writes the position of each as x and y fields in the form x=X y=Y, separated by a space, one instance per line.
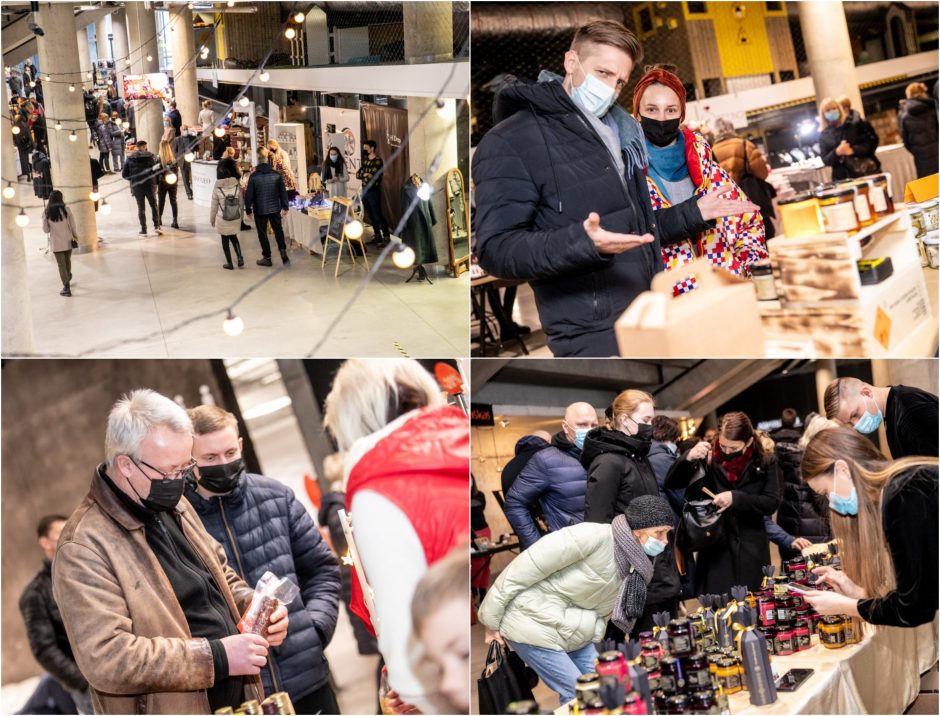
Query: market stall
x=204 y=177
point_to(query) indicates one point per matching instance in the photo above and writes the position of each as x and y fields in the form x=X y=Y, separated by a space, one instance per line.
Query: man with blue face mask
x=553 y=479
x=561 y=195
x=909 y=414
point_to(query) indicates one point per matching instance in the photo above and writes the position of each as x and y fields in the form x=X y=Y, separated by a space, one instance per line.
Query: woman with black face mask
x=742 y=482
x=615 y=458
x=681 y=165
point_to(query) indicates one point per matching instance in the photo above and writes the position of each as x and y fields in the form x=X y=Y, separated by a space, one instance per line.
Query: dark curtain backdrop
x=388 y=127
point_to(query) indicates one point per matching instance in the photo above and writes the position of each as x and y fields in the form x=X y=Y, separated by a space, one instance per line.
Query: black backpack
x=760 y=192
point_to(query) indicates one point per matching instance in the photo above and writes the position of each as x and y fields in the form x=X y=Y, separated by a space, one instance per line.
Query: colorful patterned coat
x=735 y=242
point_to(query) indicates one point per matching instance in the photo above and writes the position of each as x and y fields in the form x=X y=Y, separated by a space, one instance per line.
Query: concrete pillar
x=142 y=35
x=829 y=51
x=119 y=30
x=183 y=47
x=101 y=39
x=17 y=317
x=825 y=374
x=71 y=168
x=84 y=54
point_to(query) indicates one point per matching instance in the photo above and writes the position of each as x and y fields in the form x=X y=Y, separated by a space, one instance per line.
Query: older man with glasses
x=148 y=601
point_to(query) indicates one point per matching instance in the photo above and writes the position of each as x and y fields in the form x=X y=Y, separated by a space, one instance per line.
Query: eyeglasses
x=186 y=471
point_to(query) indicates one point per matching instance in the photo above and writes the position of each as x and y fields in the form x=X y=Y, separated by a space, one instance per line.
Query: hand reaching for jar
x=839 y=581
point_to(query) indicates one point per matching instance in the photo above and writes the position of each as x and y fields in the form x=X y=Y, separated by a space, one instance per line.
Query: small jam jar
x=680 y=637
x=880 y=194
x=704 y=702
x=729 y=675
x=780 y=586
x=837 y=207
x=852 y=631
x=766 y=610
x=796 y=568
x=762 y=274
x=653 y=677
x=785 y=608
x=677 y=704
x=612 y=663
x=659 y=701
x=645 y=636
x=633 y=703
x=670 y=678
x=652 y=652
x=832 y=632
x=587 y=688
x=783 y=641
x=697 y=674
x=801 y=635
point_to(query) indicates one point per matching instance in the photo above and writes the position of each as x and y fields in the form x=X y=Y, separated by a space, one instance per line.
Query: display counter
x=203 y=180
x=304 y=228
x=880 y=675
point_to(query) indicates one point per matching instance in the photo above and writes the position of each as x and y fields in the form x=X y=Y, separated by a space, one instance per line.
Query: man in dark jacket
x=266 y=198
x=909 y=414
x=562 y=199
x=184 y=143
x=140 y=169
x=526 y=447
x=176 y=119
x=263 y=527
x=918 y=124
x=44 y=628
x=554 y=479
x=787 y=432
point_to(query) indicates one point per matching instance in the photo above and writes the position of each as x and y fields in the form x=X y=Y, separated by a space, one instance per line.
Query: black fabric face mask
x=164 y=494
x=222 y=478
x=660 y=132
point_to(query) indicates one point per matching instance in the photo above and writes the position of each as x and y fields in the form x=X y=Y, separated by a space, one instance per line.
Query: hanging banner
x=340 y=128
x=388 y=127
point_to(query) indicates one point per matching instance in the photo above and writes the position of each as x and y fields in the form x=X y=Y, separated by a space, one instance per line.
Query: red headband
x=658 y=76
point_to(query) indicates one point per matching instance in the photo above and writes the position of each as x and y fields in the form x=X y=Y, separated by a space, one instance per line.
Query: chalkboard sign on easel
x=336 y=232
x=338 y=216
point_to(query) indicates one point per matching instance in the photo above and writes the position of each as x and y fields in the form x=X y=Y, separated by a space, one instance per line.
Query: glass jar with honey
x=832 y=632
x=837 y=207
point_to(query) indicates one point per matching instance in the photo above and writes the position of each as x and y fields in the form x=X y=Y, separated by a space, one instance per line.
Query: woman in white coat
x=553 y=601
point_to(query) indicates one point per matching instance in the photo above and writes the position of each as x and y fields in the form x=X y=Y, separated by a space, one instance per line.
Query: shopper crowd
x=142 y=602
x=600 y=514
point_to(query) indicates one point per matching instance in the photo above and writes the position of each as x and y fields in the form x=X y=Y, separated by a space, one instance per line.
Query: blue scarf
x=667 y=164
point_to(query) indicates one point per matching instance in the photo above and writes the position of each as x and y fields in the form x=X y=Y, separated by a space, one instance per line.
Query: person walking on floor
x=372 y=195
x=58 y=223
x=140 y=170
x=182 y=145
x=266 y=198
x=168 y=181
x=118 y=135
x=225 y=214
x=104 y=141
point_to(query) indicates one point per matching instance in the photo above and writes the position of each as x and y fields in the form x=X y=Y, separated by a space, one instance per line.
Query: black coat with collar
x=739 y=557
x=537 y=176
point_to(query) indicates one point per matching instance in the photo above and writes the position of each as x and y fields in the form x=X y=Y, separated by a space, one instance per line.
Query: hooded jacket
x=734 y=242
x=538 y=174
x=918 y=123
x=525 y=448
x=559 y=593
x=553 y=478
x=263 y=527
x=141 y=169
x=618 y=471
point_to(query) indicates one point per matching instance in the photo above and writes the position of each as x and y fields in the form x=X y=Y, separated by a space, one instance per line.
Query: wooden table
x=478 y=290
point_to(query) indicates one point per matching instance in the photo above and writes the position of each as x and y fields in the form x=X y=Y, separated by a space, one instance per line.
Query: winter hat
x=658 y=76
x=649 y=511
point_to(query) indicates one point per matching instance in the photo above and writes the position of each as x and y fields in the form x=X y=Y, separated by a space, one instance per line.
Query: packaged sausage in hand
x=270 y=592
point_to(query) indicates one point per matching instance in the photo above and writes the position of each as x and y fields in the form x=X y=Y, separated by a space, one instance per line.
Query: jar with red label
x=633 y=703
x=680 y=637
x=652 y=652
x=766 y=610
x=645 y=636
x=784 y=606
x=696 y=671
x=796 y=568
x=783 y=641
x=612 y=663
x=654 y=678
x=671 y=679
x=801 y=635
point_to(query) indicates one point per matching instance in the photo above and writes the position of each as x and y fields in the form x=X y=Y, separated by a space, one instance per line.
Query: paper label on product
x=861 y=208
x=882 y=328
x=840 y=217
x=878 y=201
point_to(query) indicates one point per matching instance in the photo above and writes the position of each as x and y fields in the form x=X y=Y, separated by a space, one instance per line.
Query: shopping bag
x=504 y=680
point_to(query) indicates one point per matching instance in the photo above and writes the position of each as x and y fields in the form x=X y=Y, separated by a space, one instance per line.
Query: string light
x=32 y=85
x=354 y=229
x=88 y=75
x=15 y=129
x=73 y=137
x=94 y=195
x=58 y=126
x=71 y=88
x=290 y=33
x=233 y=325
x=445 y=109
x=244 y=101
x=105 y=208
x=125 y=124
x=403 y=256
x=424 y=191
x=48 y=78
x=231 y=3
x=22 y=219
x=127 y=60
x=219 y=132
x=170 y=178
x=299 y=18
x=189 y=156
x=264 y=76
x=9 y=191
x=149 y=58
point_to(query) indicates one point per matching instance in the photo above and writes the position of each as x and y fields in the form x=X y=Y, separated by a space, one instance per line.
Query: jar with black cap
x=680 y=637
x=678 y=704
x=671 y=678
x=704 y=701
x=696 y=671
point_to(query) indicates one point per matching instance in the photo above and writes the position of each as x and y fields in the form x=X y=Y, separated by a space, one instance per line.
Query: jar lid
x=835 y=192
x=831 y=619
x=762 y=268
x=794 y=198
x=588 y=678
x=931 y=237
x=929 y=204
x=610 y=656
x=681 y=621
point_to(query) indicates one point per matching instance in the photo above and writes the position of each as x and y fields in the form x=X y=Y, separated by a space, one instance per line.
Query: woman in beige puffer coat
x=227 y=187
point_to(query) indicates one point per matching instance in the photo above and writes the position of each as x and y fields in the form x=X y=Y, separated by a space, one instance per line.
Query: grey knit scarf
x=636 y=570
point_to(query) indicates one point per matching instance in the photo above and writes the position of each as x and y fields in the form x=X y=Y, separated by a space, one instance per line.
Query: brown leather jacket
x=729 y=153
x=128 y=633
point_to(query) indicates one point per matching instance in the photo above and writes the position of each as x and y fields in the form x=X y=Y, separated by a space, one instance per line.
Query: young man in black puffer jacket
x=263 y=527
x=141 y=169
x=562 y=199
x=266 y=198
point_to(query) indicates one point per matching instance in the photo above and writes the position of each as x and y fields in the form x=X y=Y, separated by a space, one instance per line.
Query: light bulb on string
x=233 y=325
x=125 y=124
x=88 y=75
x=219 y=132
x=231 y=3
x=58 y=126
x=110 y=82
x=32 y=85
x=424 y=191
x=445 y=109
x=105 y=208
x=290 y=33
x=264 y=76
x=149 y=58
x=94 y=195
x=299 y=18
x=15 y=129
x=71 y=88
x=170 y=178
x=403 y=256
x=354 y=229
x=127 y=60
x=189 y=156
x=9 y=191
x=22 y=219
x=244 y=101
x=73 y=137
x=48 y=78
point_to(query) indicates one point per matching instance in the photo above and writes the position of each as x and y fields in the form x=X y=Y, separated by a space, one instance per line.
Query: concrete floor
x=132 y=295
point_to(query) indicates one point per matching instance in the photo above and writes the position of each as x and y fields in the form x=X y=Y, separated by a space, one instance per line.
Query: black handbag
x=505 y=679
x=702 y=525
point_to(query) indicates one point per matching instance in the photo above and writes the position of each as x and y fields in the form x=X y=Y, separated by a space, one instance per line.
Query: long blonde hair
x=166 y=153
x=862 y=544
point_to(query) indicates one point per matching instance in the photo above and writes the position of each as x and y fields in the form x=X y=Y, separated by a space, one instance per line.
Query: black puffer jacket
x=538 y=174
x=801 y=512
x=618 y=471
x=46 y=632
x=265 y=193
x=141 y=170
x=859 y=133
x=262 y=526
x=918 y=122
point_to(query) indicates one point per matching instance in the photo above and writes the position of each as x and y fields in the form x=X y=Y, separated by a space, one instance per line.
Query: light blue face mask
x=847 y=506
x=579 y=436
x=869 y=422
x=832 y=115
x=593 y=95
x=654 y=547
